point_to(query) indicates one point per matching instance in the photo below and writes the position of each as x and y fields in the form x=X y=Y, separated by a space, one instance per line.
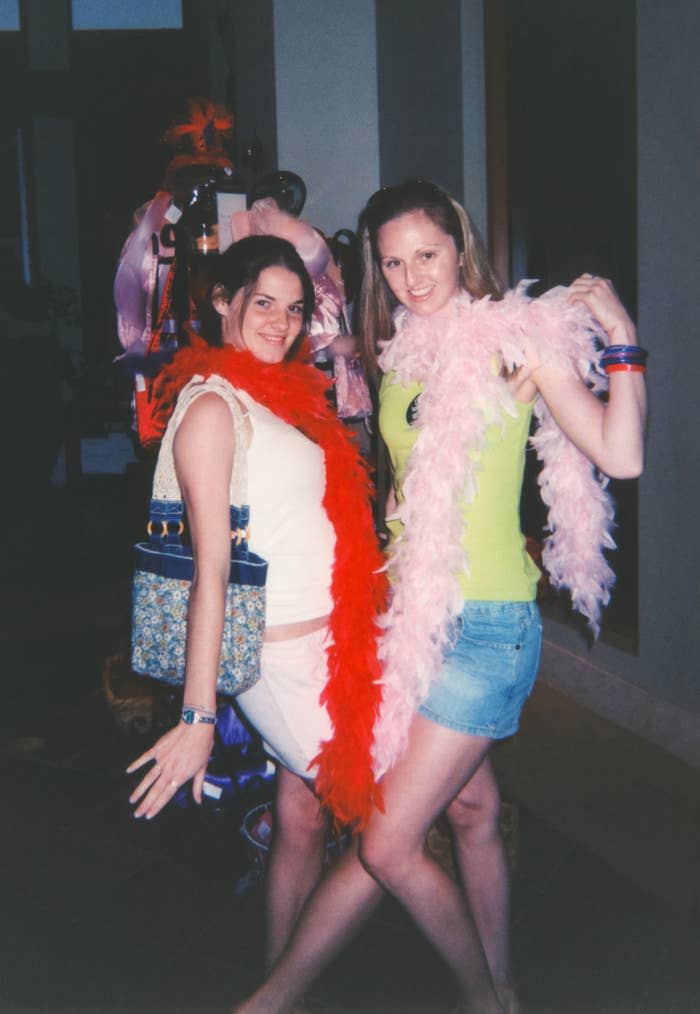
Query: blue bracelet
x=624 y=354
x=621 y=350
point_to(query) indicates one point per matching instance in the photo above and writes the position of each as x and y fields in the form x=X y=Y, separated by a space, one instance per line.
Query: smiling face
x=272 y=315
x=419 y=261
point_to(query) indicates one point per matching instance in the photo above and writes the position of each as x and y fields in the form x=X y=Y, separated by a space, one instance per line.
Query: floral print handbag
x=164 y=569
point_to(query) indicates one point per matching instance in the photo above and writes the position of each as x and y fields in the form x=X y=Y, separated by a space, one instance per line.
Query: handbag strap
x=165 y=484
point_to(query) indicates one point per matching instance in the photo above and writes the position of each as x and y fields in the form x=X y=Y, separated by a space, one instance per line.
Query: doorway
x=561 y=107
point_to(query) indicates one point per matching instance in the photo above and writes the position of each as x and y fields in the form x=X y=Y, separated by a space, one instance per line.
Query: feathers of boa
x=295 y=391
x=455 y=355
x=206 y=125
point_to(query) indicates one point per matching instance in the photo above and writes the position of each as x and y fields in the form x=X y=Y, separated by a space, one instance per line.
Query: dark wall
x=571 y=88
x=248 y=31
x=419 y=85
x=572 y=173
x=669 y=226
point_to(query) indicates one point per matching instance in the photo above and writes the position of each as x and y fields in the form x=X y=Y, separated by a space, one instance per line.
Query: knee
x=386 y=858
x=299 y=819
x=474 y=816
x=374 y=856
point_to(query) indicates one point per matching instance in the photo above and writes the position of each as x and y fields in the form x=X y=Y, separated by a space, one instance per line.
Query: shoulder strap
x=165 y=484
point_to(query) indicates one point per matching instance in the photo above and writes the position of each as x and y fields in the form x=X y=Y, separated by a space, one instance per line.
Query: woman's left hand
x=181 y=754
x=600 y=297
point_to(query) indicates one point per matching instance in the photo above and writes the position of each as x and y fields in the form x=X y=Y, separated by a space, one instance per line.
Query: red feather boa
x=296 y=392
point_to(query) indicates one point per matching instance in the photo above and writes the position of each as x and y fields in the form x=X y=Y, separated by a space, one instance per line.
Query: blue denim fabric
x=490 y=670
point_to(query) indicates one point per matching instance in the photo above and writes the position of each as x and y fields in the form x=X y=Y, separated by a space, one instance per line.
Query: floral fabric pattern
x=159 y=622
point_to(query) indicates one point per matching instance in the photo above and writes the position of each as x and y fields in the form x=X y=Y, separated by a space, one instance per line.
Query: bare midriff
x=287 y=631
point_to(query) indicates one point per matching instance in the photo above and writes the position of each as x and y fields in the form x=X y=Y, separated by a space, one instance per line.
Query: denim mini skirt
x=489 y=670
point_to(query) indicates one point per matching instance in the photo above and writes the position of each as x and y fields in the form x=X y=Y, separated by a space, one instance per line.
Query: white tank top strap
x=165 y=484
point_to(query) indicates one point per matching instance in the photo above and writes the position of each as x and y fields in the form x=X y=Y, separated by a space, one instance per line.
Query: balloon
x=287 y=189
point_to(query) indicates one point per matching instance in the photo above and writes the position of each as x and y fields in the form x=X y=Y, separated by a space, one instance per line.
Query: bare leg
x=344 y=899
x=435 y=766
x=429 y=775
x=295 y=860
x=474 y=817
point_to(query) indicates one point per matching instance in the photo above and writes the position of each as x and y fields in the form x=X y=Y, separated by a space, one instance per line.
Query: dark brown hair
x=239 y=267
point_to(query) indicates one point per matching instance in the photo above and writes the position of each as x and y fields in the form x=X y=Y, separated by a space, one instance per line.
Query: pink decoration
x=325 y=324
x=135 y=278
x=267 y=219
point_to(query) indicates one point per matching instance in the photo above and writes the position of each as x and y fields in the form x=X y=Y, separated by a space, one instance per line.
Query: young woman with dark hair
x=308 y=490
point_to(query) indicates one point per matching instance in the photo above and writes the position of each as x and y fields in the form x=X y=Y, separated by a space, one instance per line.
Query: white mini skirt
x=284 y=704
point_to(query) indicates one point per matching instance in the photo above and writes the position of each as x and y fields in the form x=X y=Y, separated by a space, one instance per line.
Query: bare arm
x=203 y=451
x=612 y=434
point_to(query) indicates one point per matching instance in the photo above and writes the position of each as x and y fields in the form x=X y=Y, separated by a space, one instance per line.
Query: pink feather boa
x=454 y=355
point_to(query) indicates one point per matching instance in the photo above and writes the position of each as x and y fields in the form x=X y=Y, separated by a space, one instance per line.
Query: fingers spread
x=198 y=786
x=159 y=792
x=145 y=784
x=149 y=755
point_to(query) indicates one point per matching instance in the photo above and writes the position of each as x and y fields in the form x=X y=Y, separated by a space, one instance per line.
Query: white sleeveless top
x=289 y=526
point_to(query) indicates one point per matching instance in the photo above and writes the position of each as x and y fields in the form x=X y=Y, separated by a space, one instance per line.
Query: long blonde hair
x=376 y=302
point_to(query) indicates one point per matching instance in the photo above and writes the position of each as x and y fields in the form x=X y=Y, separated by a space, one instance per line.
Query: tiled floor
x=105 y=915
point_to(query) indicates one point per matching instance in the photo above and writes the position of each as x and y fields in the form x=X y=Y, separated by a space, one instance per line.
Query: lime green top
x=500 y=568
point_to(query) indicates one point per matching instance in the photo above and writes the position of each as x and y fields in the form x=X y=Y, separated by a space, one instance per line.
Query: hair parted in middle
x=376 y=302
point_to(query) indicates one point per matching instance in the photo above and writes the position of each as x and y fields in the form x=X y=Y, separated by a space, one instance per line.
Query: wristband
x=625 y=368
x=624 y=354
x=624 y=348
